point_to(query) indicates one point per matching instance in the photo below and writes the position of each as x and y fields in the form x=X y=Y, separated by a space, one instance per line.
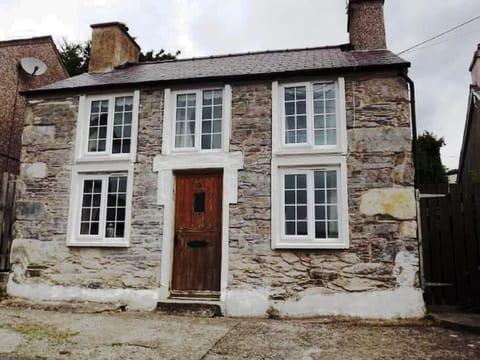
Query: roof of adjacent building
x=473 y=98
x=247 y=65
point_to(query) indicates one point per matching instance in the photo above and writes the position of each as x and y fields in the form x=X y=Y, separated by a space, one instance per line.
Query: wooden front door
x=198 y=235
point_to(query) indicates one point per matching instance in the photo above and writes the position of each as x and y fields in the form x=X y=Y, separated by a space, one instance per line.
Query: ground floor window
x=99 y=213
x=309 y=206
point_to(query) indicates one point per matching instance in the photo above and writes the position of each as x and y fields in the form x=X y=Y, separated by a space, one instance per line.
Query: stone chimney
x=366 y=24
x=112 y=46
x=475 y=67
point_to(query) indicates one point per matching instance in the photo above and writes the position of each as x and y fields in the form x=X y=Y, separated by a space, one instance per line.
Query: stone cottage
x=276 y=182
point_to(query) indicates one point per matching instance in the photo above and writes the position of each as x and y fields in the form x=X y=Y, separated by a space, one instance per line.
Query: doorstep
x=190 y=307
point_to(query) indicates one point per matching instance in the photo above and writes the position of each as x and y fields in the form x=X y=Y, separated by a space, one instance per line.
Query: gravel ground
x=37 y=334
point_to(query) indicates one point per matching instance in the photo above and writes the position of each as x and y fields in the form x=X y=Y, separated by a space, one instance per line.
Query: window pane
x=217 y=126
x=206 y=127
x=289 y=93
x=289 y=108
x=290 y=212
x=289 y=181
x=330 y=91
x=181 y=100
x=289 y=197
x=319 y=137
x=320 y=196
x=300 y=92
x=290 y=228
x=301 y=122
x=302 y=197
x=331 y=179
x=191 y=114
x=218 y=97
x=331 y=196
x=206 y=143
x=331 y=137
x=217 y=112
x=320 y=230
x=180 y=114
x=332 y=212
x=320 y=213
x=301 y=107
x=332 y=229
x=216 y=141
x=330 y=106
x=208 y=97
x=302 y=213
x=302 y=228
x=207 y=113
x=331 y=121
x=290 y=122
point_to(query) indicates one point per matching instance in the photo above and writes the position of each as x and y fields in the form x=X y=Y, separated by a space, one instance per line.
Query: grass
x=38 y=331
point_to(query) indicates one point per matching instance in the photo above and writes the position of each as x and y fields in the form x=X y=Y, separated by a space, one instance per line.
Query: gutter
x=414 y=125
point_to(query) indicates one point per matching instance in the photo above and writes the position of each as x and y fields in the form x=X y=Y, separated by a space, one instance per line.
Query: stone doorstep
x=190 y=307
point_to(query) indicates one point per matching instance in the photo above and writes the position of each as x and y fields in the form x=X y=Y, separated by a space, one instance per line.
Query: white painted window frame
x=287 y=157
x=98 y=164
x=299 y=163
x=81 y=143
x=169 y=117
x=278 y=119
x=97 y=171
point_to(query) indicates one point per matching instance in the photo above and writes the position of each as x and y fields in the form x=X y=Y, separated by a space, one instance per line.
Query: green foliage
x=430 y=169
x=157 y=56
x=76 y=56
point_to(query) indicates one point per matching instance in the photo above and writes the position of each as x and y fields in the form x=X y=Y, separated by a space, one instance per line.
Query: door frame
x=166 y=165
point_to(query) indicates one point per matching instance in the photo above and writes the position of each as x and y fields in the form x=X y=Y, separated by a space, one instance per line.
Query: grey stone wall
x=383 y=252
x=39 y=251
x=383 y=242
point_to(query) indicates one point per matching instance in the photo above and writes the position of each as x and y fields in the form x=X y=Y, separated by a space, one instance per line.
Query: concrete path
x=39 y=334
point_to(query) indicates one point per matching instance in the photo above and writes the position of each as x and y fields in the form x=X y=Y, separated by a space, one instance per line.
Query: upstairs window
x=108 y=126
x=199 y=117
x=310 y=117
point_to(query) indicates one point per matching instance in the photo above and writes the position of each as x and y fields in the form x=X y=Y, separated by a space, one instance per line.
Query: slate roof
x=253 y=65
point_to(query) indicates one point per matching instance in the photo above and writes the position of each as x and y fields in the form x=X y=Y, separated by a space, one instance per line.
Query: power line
x=442 y=41
x=439 y=35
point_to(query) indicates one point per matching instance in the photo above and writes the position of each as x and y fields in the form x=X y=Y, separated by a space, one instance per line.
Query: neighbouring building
x=275 y=182
x=12 y=113
x=12 y=80
x=469 y=167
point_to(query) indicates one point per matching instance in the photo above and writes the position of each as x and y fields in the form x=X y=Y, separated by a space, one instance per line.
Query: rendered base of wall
x=145 y=300
x=402 y=302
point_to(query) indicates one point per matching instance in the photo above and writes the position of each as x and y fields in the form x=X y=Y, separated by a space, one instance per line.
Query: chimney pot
x=112 y=46
x=366 y=24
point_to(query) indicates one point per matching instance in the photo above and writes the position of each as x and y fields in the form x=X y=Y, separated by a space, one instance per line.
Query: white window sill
x=98 y=243
x=309 y=151
x=290 y=244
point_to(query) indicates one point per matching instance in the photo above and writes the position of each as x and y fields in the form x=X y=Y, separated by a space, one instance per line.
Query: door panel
x=197 y=236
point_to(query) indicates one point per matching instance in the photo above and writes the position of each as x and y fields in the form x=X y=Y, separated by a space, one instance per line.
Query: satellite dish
x=32 y=66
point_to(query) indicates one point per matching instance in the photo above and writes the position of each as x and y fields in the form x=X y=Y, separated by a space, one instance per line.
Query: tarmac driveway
x=39 y=334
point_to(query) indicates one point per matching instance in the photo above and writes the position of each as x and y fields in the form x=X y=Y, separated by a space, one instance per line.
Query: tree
x=430 y=169
x=157 y=56
x=76 y=56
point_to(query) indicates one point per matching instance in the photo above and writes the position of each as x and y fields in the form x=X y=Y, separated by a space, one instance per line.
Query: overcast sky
x=209 y=27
